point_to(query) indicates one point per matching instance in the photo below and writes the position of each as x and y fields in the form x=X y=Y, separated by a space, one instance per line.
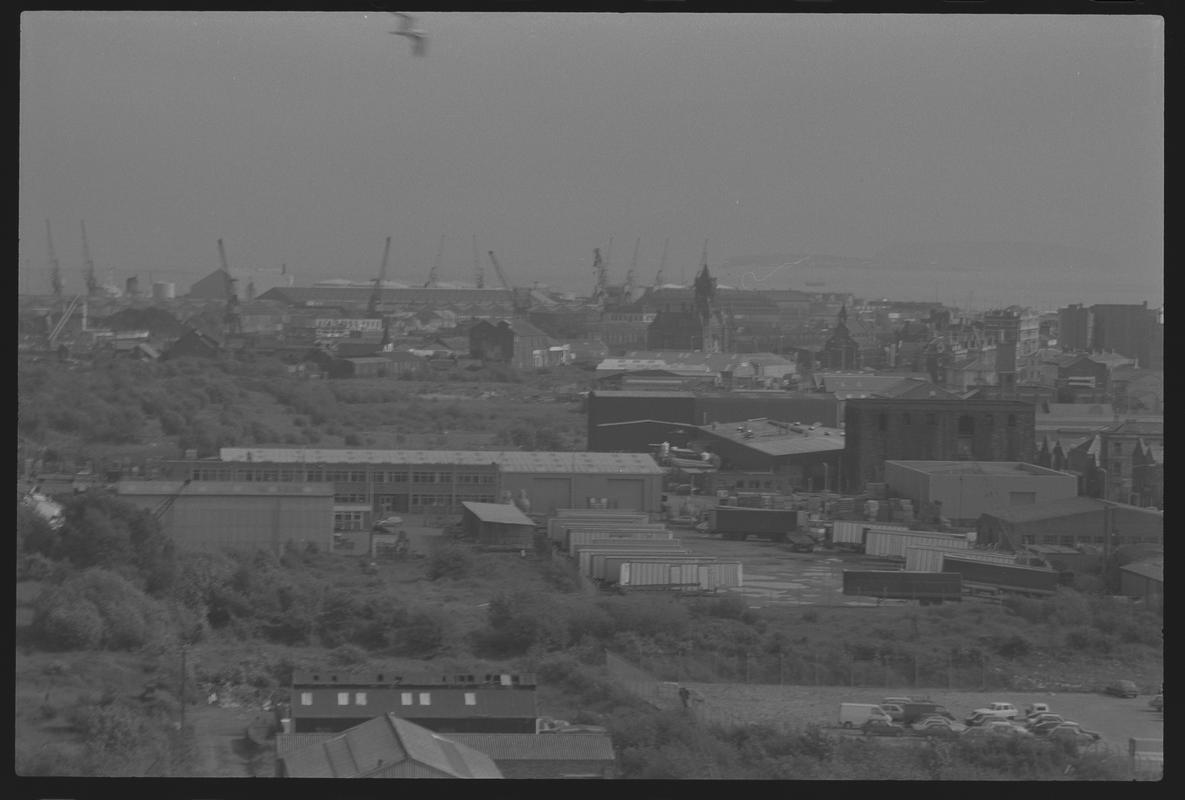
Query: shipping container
x=845 y=532
x=577 y=539
x=766 y=523
x=558 y=533
x=887 y=543
x=1009 y=577
x=607 y=566
x=556 y=524
x=902 y=585
x=929 y=559
x=583 y=556
x=721 y=575
x=654 y=574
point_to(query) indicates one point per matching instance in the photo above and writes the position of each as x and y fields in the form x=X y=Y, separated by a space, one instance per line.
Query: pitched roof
x=1150 y=568
x=379 y=747
x=498 y=512
x=540 y=746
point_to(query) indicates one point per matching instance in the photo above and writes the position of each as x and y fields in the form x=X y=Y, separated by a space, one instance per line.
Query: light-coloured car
x=1043 y=728
x=1157 y=702
x=1004 y=726
x=998 y=710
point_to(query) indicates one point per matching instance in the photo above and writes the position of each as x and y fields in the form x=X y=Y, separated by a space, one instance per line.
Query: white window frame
x=406 y=698
x=470 y=698
x=359 y=698
x=425 y=698
x=306 y=698
x=343 y=698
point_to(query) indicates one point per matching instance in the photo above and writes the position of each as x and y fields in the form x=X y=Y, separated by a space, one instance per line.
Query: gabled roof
x=500 y=513
x=540 y=746
x=387 y=746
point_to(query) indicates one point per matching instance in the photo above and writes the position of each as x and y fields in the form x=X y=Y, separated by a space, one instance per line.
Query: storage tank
x=164 y=291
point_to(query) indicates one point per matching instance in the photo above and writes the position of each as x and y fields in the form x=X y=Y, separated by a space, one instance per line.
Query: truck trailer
x=891 y=584
x=738 y=524
x=1007 y=577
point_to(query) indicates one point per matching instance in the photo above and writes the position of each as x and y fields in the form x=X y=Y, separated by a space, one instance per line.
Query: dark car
x=1122 y=689
x=877 y=727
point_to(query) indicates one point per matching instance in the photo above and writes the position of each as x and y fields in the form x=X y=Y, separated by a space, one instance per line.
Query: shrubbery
x=98 y=609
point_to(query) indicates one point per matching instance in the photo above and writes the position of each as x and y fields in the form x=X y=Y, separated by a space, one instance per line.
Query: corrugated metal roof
x=777 y=441
x=540 y=746
x=508 y=461
x=219 y=488
x=498 y=512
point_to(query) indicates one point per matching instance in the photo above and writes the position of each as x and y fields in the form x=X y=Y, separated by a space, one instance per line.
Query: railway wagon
x=892 y=543
x=901 y=585
x=721 y=575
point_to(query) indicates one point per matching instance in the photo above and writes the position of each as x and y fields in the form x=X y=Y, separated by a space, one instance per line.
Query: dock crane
x=662 y=264
x=434 y=274
x=60 y=326
x=518 y=305
x=376 y=294
x=88 y=266
x=478 y=275
x=55 y=269
x=230 y=315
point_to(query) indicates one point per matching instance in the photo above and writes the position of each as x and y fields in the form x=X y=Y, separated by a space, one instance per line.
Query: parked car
x=1073 y=732
x=1157 y=702
x=1004 y=726
x=895 y=711
x=940 y=720
x=878 y=727
x=896 y=701
x=998 y=710
x=938 y=727
x=1037 y=708
x=1032 y=722
x=854 y=715
x=1122 y=689
x=1043 y=728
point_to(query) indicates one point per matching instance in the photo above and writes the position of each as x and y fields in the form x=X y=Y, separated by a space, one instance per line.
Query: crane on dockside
x=376 y=294
x=55 y=268
x=519 y=306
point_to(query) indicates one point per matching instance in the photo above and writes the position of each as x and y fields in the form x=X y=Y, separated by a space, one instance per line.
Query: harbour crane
x=55 y=269
x=60 y=326
x=230 y=315
x=434 y=274
x=376 y=294
x=88 y=266
x=662 y=264
x=478 y=275
x=518 y=306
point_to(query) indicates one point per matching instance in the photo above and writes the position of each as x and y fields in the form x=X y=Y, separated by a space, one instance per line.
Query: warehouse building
x=967 y=489
x=439 y=481
x=221 y=514
x=1073 y=522
x=803 y=456
x=497 y=525
x=881 y=429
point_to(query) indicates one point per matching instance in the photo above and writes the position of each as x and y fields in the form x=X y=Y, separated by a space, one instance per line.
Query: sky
x=307 y=138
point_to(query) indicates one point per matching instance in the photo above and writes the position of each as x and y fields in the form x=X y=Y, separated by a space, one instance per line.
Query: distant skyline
x=1033 y=145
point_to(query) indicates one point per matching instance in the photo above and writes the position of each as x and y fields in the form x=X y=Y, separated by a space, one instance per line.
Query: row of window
x=966 y=422
x=313 y=475
x=405 y=698
x=1071 y=541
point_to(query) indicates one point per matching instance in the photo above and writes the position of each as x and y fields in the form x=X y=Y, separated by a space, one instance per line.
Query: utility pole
x=658 y=279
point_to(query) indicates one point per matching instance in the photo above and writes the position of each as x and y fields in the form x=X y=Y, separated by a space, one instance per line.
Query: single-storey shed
x=497 y=525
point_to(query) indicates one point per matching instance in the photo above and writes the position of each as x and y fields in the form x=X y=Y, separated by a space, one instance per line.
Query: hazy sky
x=307 y=138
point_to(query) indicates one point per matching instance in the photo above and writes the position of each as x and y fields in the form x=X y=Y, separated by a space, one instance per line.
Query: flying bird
x=419 y=42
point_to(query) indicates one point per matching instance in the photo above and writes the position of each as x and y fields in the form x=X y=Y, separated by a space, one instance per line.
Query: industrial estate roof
x=778 y=438
x=387 y=745
x=979 y=468
x=539 y=746
x=507 y=460
x=499 y=513
x=221 y=488
x=1062 y=508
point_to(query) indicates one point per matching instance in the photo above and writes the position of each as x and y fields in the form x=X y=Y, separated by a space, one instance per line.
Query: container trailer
x=901 y=585
x=929 y=559
x=1008 y=577
x=886 y=543
x=739 y=523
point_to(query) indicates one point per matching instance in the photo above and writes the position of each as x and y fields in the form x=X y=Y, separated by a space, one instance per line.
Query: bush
x=67 y=622
x=449 y=560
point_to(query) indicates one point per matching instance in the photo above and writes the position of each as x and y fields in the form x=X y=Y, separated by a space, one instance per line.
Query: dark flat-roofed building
x=882 y=429
x=806 y=456
x=967 y=489
x=1070 y=522
x=332 y=701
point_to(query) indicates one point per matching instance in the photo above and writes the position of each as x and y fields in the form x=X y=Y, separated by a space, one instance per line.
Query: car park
x=1031 y=722
x=938 y=726
x=1043 y=728
x=998 y=710
x=1122 y=689
x=878 y=727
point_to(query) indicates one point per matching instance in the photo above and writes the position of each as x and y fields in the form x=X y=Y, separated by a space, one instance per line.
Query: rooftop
x=776 y=438
x=985 y=468
x=1150 y=568
x=221 y=488
x=385 y=747
x=539 y=747
x=498 y=513
x=1063 y=508
x=507 y=460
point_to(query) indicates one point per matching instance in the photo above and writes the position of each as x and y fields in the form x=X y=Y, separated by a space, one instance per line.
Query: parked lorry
x=891 y=584
x=1008 y=577
x=774 y=524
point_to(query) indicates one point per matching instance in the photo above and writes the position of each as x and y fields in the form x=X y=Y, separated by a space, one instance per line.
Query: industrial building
x=687 y=408
x=1144 y=580
x=236 y=514
x=807 y=457
x=438 y=481
x=330 y=701
x=964 y=490
x=497 y=525
x=883 y=429
x=1073 y=522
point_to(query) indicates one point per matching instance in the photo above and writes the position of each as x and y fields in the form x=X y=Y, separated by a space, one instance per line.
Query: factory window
x=1012 y=420
x=405 y=698
x=360 y=698
x=343 y=698
x=423 y=477
x=1117 y=448
x=270 y=475
x=907 y=419
x=306 y=698
x=1066 y=541
x=349 y=497
x=966 y=425
x=378 y=477
x=1028 y=538
x=470 y=698
x=1048 y=540
x=337 y=476
x=396 y=477
x=425 y=699
x=315 y=475
x=358 y=477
